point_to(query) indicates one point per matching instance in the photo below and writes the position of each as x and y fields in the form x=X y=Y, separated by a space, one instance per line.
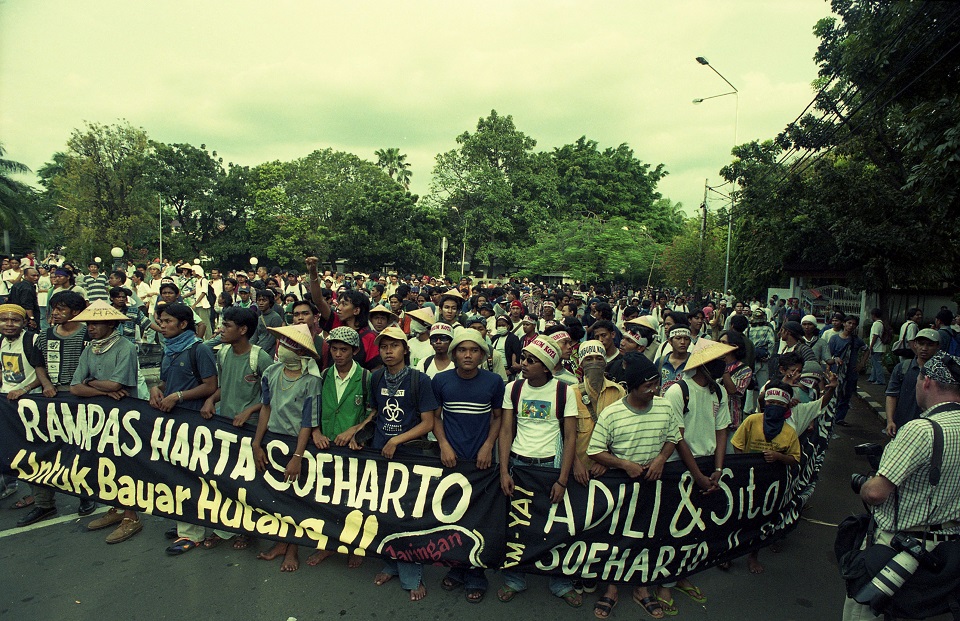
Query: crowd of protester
x=472 y=372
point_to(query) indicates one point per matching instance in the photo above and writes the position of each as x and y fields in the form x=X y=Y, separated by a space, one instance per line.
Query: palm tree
x=10 y=191
x=395 y=165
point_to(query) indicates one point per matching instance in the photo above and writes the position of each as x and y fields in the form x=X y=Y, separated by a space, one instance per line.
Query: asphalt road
x=59 y=570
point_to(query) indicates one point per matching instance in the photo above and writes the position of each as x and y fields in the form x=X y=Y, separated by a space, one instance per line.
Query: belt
x=533 y=461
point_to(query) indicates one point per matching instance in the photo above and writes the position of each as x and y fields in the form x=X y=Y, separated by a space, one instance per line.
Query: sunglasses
x=440 y=339
x=529 y=359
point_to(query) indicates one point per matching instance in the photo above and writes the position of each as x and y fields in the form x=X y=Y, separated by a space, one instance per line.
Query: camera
x=872 y=452
x=911 y=553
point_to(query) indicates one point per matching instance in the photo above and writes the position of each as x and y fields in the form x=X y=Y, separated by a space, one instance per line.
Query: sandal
x=242 y=542
x=212 y=541
x=505 y=593
x=604 y=607
x=180 y=546
x=667 y=607
x=450 y=584
x=9 y=491
x=23 y=503
x=651 y=605
x=693 y=593
x=572 y=598
x=474 y=596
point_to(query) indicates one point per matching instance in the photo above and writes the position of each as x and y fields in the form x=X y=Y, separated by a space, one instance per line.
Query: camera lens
x=857 y=481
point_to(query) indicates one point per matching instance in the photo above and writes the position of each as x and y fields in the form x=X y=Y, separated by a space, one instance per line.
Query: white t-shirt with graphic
x=538 y=430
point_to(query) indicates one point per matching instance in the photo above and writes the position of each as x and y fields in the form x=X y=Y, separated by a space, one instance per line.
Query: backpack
x=954 y=347
x=222 y=356
x=685 y=391
x=561 y=401
x=886 y=336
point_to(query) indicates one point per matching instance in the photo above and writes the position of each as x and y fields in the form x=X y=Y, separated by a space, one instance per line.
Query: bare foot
x=291 y=560
x=382 y=578
x=274 y=552
x=754 y=564
x=354 y=561
x=418 y=593
x=318 y=557
x=242 y=542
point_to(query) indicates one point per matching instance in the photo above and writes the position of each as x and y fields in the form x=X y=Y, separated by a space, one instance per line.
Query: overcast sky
x=258 y=81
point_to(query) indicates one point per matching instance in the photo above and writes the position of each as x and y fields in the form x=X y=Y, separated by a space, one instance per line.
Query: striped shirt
x=61 y=353
x=906 y=464
x=635 y=435
x=96 y=288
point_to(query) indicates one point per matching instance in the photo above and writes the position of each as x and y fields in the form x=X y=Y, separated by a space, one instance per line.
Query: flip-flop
x=181 y=546
x=212 y=541
x=604 y=607
x=8 y=491
x=572 y=599
x=651 y=604
x=693 y=593
x=667 y=606
x=505 y=593
x=474 y=596
x=23 y=503
x=450 y=584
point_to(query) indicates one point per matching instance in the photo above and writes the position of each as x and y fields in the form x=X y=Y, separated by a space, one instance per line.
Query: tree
x=18 y=204
x=102 y=189
x=606 y=184
x=855 y=185
x=592 y=250
x=493 y=189
x=395 y=165
x=339 y=207
x=695 y=259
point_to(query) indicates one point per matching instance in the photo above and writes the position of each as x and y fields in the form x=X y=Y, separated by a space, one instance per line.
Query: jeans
x=878 y=374
x=845 y=394
x=559 y=585
x=411 y=574
x=473 y=578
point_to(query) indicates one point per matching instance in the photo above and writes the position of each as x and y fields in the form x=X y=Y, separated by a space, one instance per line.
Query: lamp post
x=117 y=253
x=736 y=123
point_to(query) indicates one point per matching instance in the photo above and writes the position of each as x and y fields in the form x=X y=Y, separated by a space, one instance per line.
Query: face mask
x=291 y=360
x=417 y=328
x=502 y=330
x=593 y=373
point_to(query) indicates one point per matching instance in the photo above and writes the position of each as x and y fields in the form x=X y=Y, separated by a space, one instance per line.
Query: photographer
x=901 y=493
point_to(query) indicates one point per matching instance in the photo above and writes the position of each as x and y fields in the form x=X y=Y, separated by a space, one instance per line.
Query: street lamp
x=253 y=263
x=117 y=253
x=736 y=124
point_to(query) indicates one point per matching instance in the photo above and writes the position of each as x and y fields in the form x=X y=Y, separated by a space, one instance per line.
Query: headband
x=680 y=332
x=778 y=396
x=16 y=309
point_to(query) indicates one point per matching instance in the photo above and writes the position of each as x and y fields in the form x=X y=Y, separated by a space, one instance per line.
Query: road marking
x=17 y=530
x=868 y=399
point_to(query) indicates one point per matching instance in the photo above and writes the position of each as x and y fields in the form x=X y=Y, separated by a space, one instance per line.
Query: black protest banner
x=178 y=465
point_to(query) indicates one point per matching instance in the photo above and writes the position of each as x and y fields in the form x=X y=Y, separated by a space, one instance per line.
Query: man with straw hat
x=287 y=390
x=108 y=367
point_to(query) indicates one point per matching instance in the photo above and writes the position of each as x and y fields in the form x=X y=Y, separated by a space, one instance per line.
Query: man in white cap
x=562 y=338
x=545 y=434
x=813 y=340
x=471 y=400
x=403 y=409
x=901 y=394
x=441 y=335
x=494 y=361
x=287 y=390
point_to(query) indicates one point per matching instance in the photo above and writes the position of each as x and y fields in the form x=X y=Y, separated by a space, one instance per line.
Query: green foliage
x=591 y=250
x=102 y=187
x=687 y=258
x=338 y=207
x=879 y=162
x=395 y=164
